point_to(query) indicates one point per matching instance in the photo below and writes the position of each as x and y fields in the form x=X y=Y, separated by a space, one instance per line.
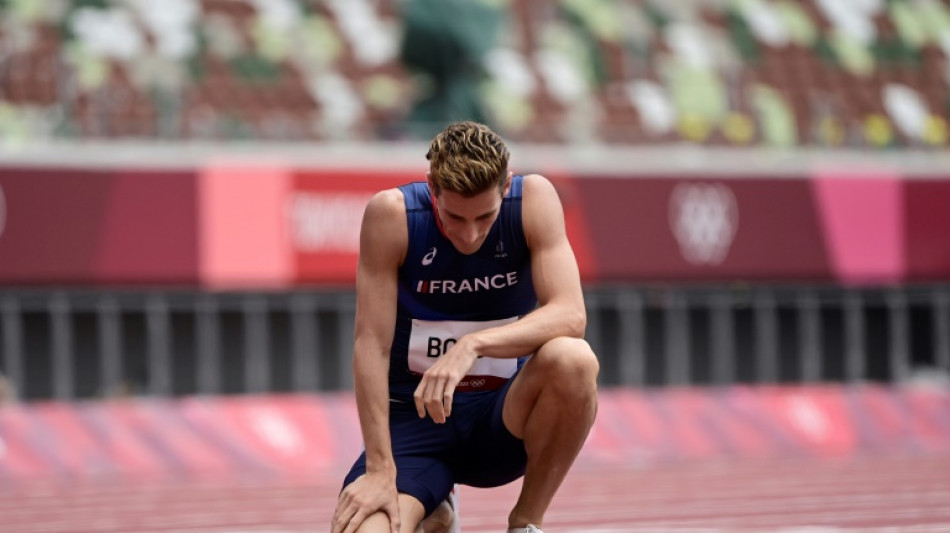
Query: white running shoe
x=453 y=500
x=444 y=520
x=531 y=528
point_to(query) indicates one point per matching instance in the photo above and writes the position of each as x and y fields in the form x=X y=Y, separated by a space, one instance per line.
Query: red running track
x=805 y=495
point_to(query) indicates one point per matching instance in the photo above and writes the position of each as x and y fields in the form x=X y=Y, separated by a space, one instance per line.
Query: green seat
x=776 y=119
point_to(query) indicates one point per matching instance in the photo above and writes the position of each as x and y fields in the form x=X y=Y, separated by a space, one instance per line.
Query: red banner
x=324 y=211
x=927 y=227
x=703 y=230
x=235 y=225
x=76 y=226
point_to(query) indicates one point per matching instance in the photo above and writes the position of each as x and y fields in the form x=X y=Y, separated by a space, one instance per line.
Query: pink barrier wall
x=264 y=226
x=863 y=220
x=303 y=434
x=244 y=240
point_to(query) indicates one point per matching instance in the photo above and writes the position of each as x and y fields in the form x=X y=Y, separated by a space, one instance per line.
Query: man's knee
x=569 y=354
x=441 y=520
x=560 y=378
x=568 y=360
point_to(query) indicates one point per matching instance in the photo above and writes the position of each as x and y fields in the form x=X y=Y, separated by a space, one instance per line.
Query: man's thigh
x=488 y=454
x=552 y=366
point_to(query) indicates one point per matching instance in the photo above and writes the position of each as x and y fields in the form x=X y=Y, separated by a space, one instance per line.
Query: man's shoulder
x=388 y=202
x=542 y=212
x=383 y=234
x=385 y=211
x=535 y=181
x=539 y=190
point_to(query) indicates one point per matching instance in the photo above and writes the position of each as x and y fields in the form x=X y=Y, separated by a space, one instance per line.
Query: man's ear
x=431 y=183
x=507 y=184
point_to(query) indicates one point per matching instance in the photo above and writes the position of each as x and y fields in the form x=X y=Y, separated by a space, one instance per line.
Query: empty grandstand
x=747 y=72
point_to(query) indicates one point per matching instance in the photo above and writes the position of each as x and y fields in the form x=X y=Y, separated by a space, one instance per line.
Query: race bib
x=432 y=338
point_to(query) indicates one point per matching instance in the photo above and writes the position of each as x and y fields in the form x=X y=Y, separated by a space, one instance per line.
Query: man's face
x=466 y=221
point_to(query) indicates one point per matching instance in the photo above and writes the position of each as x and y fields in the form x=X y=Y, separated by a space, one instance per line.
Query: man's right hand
x=366 y=495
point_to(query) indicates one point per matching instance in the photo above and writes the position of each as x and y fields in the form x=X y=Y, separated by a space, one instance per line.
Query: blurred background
x=757 y=191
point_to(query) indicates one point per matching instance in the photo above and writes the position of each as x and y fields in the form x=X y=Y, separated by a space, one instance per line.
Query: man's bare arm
x=561 y=311
x=383 y=239
x=382 y=245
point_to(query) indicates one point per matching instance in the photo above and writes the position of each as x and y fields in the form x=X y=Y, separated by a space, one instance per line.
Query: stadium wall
x=239 y=224
x=180 y=270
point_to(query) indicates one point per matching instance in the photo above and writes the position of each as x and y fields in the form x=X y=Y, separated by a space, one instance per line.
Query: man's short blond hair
x=467 y=158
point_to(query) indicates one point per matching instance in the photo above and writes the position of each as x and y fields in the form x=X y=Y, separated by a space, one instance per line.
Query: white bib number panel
x=432 y=338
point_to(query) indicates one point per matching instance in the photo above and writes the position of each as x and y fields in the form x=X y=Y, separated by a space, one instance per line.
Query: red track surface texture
x=804 y=495
x=747 y=460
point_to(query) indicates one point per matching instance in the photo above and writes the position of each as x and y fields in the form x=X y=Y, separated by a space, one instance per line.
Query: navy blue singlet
x=444 y=294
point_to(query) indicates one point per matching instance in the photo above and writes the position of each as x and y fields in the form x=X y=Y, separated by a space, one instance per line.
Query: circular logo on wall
x=704 y=218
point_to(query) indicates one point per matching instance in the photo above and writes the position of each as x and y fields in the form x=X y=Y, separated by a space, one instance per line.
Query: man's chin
x=467 y=250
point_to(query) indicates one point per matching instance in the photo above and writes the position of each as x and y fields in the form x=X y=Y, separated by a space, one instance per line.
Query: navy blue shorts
x=472 y=448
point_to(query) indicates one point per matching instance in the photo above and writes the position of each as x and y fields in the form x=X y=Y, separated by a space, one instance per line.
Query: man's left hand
x=437 y=388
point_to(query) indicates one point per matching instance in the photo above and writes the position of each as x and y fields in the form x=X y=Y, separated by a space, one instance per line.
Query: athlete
x=469 y=360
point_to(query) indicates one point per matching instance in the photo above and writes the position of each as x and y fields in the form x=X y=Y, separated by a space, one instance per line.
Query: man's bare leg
x=411 y=513
x=441 y=520
x=551 y=406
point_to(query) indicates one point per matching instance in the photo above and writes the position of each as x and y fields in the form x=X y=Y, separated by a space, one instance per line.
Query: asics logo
x=429 y=257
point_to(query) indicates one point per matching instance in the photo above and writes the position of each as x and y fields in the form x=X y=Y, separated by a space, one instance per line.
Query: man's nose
x=469 y=234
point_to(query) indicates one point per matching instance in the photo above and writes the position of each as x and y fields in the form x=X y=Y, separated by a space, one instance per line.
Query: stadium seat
x=773 y=72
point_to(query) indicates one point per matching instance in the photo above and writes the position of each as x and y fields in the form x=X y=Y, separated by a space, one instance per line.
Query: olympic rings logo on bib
x=474 y=384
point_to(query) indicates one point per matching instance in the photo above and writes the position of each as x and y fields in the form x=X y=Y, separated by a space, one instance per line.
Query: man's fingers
x=447 y=395
x=436 y=400
x=337 y=523
x=355 y=521
x=342 y=518
x=419 y=397
x=428 y=398
x=393 y=512
x=434 y=396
